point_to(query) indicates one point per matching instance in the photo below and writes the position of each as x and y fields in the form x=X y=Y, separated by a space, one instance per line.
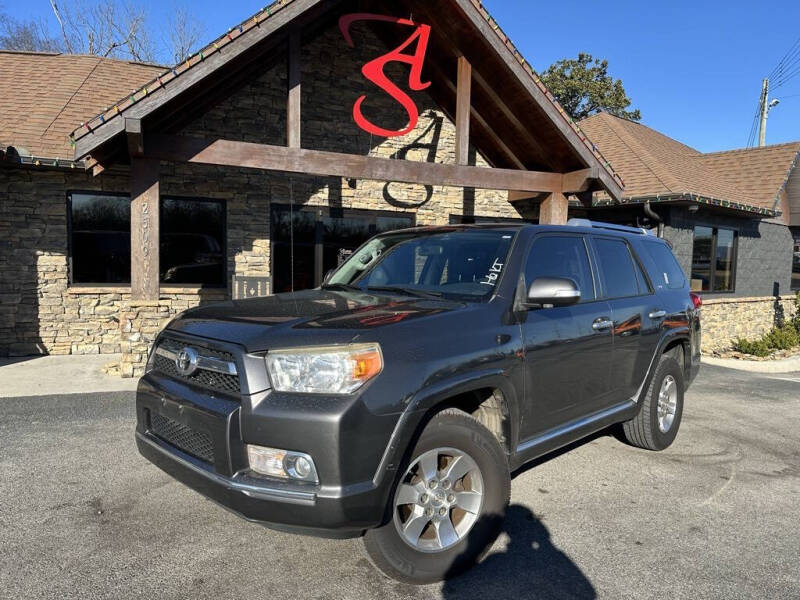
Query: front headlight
x=324 y=370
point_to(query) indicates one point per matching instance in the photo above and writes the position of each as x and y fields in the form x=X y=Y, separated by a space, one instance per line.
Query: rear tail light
x=696 y=300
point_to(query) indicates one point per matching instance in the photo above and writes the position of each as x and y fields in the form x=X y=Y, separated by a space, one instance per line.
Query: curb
x=785 y=365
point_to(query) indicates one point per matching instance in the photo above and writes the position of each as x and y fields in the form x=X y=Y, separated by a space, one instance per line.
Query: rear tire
x=659 y=418
x=448 y=506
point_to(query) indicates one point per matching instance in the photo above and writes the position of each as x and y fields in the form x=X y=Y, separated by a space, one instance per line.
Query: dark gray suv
x=394 y=401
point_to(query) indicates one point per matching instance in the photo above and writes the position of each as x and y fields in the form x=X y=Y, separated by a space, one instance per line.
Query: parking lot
x=715 y=516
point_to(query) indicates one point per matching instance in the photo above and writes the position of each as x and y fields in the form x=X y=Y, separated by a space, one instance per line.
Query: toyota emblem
x=186 y=362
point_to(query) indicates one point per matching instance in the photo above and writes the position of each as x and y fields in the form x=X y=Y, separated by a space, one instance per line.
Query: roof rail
x=610 y=226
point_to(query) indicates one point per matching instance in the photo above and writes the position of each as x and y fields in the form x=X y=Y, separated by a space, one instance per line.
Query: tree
x=26 y=36
x=584 y=87
x=110 y=28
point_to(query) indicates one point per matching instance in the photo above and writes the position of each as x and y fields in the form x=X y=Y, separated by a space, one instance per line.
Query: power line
x=791 y=53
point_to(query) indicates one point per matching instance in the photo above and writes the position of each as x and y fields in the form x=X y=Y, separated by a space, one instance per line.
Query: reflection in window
x=713 y=259
x=100 y=238
x=796 y=259
x=308 y=242
x=193 y=242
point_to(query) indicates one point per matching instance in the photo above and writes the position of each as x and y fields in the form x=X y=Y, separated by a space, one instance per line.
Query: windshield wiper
x=406 y=291
x=344 y=287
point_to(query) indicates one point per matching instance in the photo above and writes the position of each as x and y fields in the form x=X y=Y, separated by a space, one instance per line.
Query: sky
x=694 y=68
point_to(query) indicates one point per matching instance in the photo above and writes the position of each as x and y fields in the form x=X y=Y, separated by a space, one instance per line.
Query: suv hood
x=311 y=317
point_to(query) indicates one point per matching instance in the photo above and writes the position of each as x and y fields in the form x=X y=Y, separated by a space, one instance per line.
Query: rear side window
x=617 y=268
x=669 y=271
x=561 y=256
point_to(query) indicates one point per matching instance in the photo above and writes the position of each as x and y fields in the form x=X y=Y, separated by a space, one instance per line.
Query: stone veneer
x=726 y=319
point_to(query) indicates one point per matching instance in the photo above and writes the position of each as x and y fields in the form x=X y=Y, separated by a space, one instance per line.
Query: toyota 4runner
x=394 y=401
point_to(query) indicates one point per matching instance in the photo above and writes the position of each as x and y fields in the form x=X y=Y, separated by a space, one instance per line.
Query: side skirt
x=563 y=435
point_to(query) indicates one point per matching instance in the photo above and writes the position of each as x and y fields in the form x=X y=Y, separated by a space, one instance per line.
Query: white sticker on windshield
x=494 y=273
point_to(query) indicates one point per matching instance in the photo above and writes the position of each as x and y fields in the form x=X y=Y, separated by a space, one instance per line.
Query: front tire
x=658 y=420
x=448 y=506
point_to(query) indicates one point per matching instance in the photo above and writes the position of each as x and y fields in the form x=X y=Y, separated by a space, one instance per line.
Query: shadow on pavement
x=531 y=567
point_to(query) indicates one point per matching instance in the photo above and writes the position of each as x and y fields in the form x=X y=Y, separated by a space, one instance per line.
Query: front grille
x=185 y=439
x=210 y=379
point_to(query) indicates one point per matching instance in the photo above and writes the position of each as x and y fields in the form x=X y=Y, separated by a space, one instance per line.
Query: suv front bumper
x=344 y=504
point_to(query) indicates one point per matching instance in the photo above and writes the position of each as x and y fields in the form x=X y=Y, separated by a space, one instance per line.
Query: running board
x=563 y=435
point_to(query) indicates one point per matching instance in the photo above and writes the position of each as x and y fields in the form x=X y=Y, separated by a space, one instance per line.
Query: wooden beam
x=133 y=129
x=144 y=229
x=581 y=181
x=198 y=74
x=469 y=9
x=294 y=100
x=334 y=164
x=553 y=209
x=463 y=104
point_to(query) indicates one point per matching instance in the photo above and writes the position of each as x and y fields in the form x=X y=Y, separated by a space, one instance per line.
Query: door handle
x=602 y=324
x=657 y=314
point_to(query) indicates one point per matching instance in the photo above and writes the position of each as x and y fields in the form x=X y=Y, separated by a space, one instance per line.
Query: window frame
x=331 y=212
x=795 y=233
x=713 y=259
x=635 y=261
x=70 y=258
x=223 y=244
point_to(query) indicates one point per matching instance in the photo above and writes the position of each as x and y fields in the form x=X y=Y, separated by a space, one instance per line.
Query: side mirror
x=552 y=291
x=328 y=276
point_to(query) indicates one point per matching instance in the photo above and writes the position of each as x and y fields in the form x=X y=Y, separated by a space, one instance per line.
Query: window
x=99 y=238
x=669 y=271
x=796 y=259
x=308 y=242
x=618 y=269
x=193 y=242
x=561 y=256
x=466 y=265
x=713 y=259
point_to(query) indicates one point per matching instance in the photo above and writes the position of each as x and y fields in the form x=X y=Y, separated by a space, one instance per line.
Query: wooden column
x=144 y=229
x=463 y=105
x=553 y=210
x=294 y=99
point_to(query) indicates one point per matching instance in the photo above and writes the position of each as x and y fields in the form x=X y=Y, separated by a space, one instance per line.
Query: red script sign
x=373 y=71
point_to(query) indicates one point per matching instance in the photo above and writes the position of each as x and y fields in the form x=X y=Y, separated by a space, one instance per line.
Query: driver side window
x=561 y=256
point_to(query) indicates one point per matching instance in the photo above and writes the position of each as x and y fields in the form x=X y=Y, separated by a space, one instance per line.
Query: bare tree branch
x=67 y=42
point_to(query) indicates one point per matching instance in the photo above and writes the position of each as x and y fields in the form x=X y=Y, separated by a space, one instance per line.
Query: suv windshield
x=463 y=264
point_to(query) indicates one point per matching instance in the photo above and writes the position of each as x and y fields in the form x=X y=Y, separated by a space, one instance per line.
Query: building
x=261 y=163
x=131 y=192
x=733 y=218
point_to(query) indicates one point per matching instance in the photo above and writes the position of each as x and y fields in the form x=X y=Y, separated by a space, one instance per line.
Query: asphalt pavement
x=717 y=515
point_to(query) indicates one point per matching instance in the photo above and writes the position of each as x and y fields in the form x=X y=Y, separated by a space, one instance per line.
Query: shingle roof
x=655 y=165
x=46 y=95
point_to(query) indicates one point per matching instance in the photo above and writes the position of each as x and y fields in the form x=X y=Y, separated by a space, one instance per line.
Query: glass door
x=320 y=239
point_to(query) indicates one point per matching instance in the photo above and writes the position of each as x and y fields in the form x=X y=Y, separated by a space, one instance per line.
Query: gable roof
x=50 y=93
x=466 y=16
x=657 y=166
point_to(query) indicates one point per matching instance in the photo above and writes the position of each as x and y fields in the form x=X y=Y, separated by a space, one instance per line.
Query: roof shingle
x=656 y=165
x=49 y=94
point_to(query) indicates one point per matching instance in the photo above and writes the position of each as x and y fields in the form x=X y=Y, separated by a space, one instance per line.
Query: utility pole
x=762 y=134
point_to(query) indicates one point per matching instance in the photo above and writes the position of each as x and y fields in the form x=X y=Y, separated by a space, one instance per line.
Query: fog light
x=283 y=464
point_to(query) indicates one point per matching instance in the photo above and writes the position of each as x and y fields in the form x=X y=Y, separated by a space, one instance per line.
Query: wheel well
x=488 y=406
x=678 y=349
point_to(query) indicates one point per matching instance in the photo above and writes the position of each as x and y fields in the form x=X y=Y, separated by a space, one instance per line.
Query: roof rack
x=610 y=226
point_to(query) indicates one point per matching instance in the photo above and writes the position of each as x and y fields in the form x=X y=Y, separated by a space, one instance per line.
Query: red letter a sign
x=373 y=71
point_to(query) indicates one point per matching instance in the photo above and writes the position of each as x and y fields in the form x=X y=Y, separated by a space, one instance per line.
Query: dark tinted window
x=193 y=242
x=555 y=256
x=616 y=268
x=100 y=238
x=669 y=272
x=713 y=259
